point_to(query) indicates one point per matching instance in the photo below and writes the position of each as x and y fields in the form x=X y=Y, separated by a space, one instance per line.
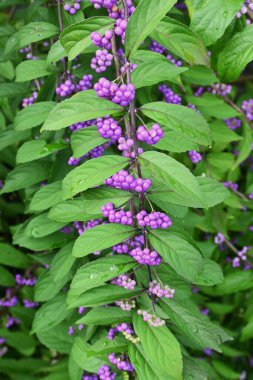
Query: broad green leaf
x=200 y=75
x=173 y=174
x=46 y=197
x=46 y=288
x=145 y=56
x=211 y=18
x=98 y=272
x=194 y=325
x=7 y=70
x=62 y=262
x=211 y=105
x=32 y=69
x=211 y=274
x=161 y=347
x=20 y=340
x=91 y=174
x=102 y=295
x=179 y=253
x=173 y=142
x=247 y=332
x=183 y=120
x=85 y=140
x=6 y=277
x=36 y=31
x=56 y=52
x=143 y=21
x=32 y=116
x=245 y=146
x=76 y=38
x=50 y=314
x=145 y=370
x=222 y=134
x=8 y=137
x=88 y=206
x=11 y=257
x=225 y=370
x=105 y=346
x=182 y=41
x=213 y=191
x=57 y=339
x=79 y=352
x=11 y=90
x=234 y=282
x=101 y=237
x=34 y=150
x=26 y=175
x=84 y=105
x=148 y=74
x=105 y=316
x=41 y=226
x=237 y=53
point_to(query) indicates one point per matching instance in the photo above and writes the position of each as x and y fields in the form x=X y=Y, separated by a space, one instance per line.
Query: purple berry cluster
x=119 y=217
x=220 y=89
x=219 y=238
x=124 y=281
x=151 y=319
x=30 y=281
x=145 y=256
x=101 y=61
x=245 y=9
x=108 y=128
x=120 y=363
x=29 y=101
x=125 y=247
x=241 y=256
x=169 y=95
x=121 y=95
x=66 y=88
x=247 y=107
x=108 y=4
x=194 y=156
x=102 y=41
x=82 y=124
x=104 y=373
x=81 y=227
x=11 y=321
x=9 y=300
x=156 y=47
x=72 y=8
x=233 y=123
x=151 y=136
x=126 y=305
x=85 y=83
x=176 y=62
x=122 y=327
x=230 y=185
x=120 y=28
x=161 y=291
x=30 y=304
x=153 y=220
x=124 y=181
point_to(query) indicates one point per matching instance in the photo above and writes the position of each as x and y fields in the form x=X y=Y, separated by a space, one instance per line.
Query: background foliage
x=190 y=64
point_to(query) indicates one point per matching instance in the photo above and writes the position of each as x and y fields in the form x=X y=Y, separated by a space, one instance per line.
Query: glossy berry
x=153 y=220
x=102 y=41
x=120 y=217
x=151 y=136
x=161 y=291
x=233 y=123
x=85 y=83
x=247 y=107
x=29 y=101
x=108 y=128
x=156 y=47
x=124 y=281
x=195 y=156
x=124 y=181
x=66 y=88
x=101 y=61
x=151 y=319
x=169 y=95
x=145 y=256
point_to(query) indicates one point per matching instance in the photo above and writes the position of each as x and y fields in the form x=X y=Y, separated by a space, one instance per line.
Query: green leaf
x=105 y=316
x=21 y=341
x=46 y=288
x=234 y=282
x=76 y=38
x=179 y=253
x=6 y=278
x=211 y=274
x=46 y=197
x=98 y=272
x=79 y=353
x=32 y=116
x=222 y=134
x=7 y=70
x=85 y=140
x=173 y=142
x=143 y=21
x=62 y=262
x=145 y=370
x=101 y=237
x=89 y=205
x=11 y=257
x=173 y=174
x=26 y=175
x=32 y=69
x=105 y=346
x=245 y=146
x=57 y=339
x=161 y=347
x=225 y=371
x=200 y=75
x=11 y=90
x=182 y=41
x=9 y=137
x=102 y=295
x=194 y=325
x=148 y=74
x=56 y=52
x=183 y=120
x=209 y=23
x=91 y=174
x=84 y=105
x=247 y=332
x=41 y=226
x=50 y=314
x=36 y=31
x=34 y=150
x=211 y=105
x=213 y=191
x=237 y=53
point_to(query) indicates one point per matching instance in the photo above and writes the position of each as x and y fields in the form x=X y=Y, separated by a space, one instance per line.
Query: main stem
x=61 y=28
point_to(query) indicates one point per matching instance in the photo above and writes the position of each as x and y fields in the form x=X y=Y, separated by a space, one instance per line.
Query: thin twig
x=61 y=28
x=115 y=55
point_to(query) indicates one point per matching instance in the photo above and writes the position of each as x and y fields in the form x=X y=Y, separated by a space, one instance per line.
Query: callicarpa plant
x=126 y=175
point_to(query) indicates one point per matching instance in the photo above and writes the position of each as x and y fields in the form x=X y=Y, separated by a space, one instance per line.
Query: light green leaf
x=56 y=52
x=11 y=257
x=47 y=196
x=36 y=149
x=36 y=31
x=11 y=90
x=183 y=120
x=62 y=262
x=8 y=137
x=84 y=105
x=32 y=116
x=105 y=316
x=101 y=237
x=143 y=21
x=32 y=69
x=41 y=226
x=91 y=174
x=85 y=140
